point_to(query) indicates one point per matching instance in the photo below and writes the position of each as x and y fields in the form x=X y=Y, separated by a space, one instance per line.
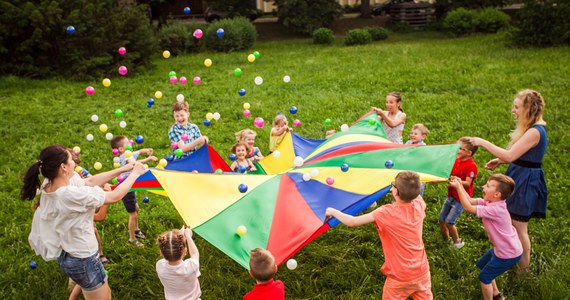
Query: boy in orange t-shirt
x=400 y=226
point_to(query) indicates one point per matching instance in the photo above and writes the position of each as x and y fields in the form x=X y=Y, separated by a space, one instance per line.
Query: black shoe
x=499 y=296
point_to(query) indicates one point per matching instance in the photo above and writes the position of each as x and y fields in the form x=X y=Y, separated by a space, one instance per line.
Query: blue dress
x=529 y=197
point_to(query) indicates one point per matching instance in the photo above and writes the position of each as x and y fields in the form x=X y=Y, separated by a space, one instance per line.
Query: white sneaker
x=459 y=244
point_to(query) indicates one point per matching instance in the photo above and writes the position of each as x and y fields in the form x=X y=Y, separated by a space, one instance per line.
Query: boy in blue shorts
x=492 y=209
x=466 y=170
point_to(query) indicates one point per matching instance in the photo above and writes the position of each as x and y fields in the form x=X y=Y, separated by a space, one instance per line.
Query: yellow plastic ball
x=208 y=62
x=97 y=166
x=106 y=82
x=103 y=128
x=163 y=162
x=209 y=116
x=241 y=230
x=246 y=106
x=116 y=165
x=166 y=54
x=79 y=169
x=158 y=94
x=128 y=153
x=251 y=58
x=77 y=149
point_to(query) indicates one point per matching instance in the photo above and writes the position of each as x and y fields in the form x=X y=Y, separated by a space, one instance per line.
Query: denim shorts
x=88 y=272
x=130 y=202
x=450 y=211
x=491 y=266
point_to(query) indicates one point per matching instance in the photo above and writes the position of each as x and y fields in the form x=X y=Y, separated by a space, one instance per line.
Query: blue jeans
x=450 y=211
x=88 y=272
x=491 y=266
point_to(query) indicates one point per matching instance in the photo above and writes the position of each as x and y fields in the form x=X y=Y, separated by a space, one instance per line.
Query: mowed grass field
x=457 y=87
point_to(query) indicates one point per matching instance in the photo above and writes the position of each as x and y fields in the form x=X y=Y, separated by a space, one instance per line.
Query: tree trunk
x=365 y=9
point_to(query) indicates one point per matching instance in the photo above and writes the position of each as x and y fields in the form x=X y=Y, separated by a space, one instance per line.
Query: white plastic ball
x=286 y=78
x=291 y=264
x=216 y=116
x=123 y=124
x=89 y=137
x=180 y=98
x=276 y=153
x=116 y=159
x=298 y=161
x=306 y=176
x=94 y=118
x=109 y=136
x=344 y=127
x=258 y=80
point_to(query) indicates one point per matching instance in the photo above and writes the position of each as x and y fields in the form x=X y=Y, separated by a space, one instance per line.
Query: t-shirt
x=275 y=140
x=180 y=281
x=123 y=161
x=497 y=222
x=463 y=169
x=271 y=290
x=400 y=228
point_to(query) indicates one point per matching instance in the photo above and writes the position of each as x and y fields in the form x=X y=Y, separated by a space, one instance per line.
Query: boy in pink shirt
x=400 y=226
x=492 y=209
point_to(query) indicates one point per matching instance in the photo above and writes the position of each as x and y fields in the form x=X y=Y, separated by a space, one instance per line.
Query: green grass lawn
x=457 y=87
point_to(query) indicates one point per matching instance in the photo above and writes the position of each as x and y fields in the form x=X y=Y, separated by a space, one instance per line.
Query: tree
x=307 y=15
x=365 y=9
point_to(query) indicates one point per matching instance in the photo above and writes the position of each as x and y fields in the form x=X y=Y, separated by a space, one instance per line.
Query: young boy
x=418 y=135
x=466 y=170
x=400 y=226
x=262 y=268
x=184 y=134
x=121 y=143
x=492 y=209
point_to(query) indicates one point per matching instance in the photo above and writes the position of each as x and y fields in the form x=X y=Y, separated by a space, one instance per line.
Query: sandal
x=104 y=260
x=136 y=243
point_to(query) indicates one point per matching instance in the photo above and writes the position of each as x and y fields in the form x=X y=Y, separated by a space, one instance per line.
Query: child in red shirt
x=262 y=268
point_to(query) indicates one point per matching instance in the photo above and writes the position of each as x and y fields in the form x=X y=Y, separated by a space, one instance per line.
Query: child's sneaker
x=499 y=296
x=459 y=244
x=136 y=243
x=139 y=234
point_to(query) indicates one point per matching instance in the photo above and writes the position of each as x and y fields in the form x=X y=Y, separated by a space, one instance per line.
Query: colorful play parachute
x=283 y=212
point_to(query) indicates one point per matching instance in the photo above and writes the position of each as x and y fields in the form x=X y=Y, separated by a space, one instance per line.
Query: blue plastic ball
x=232 y=157
x=389 y=164
x=70 y=30
x=150 y=101
x=220 y=32
x=169 y=157
x=33 y=264
x=242 y=169
x=241 y=92
x=242 y=188
x=145 y=199
x=207 y=122
x=187 y=10
x=139 y=139
x=293 y=110
x=149 y=105
x=344 y=167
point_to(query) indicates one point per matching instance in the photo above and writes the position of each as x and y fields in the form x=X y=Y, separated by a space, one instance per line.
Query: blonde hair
x=238 y=144
x=261 y=264
x=279 y=118
x=421 y=128
x=532 y=108
x=172 y=244
x=244 y=133
x=178 y=106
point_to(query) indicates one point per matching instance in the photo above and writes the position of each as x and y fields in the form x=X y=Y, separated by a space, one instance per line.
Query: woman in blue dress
x=524 y=154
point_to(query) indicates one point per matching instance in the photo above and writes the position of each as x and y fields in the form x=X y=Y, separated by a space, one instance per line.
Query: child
x=248 y=136
x=262 y=268
x=466 y=170
x=120 y=142
x=394 y=118
x=400 y=226
x=492 y=209
x=278 y=132
x=185 y=135
x=329 y=133
x=179 y=276
x=418 y=135
x=240 y=149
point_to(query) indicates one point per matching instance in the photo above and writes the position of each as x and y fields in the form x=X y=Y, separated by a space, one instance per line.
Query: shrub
x=543 y=24
x=239 y=34
x=357 y=37
x=492 y=20
x=33 y=33
x=401 y=27
x=377 y=33
x=461 y=21
x=178 y=37
x=307 y=15
x=323 y=36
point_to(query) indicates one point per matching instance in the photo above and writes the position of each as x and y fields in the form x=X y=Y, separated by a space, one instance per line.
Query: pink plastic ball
x=131 y=142
x=89 y=90
x=120 y=178
x=173 y=79
x=184 y=137
x=296 y=123
x=122 y=51
x=197 y=80
x=183 y=80
x=123 y=70
x=330 y=180
x=174 y=145
x=259 y=122
x=198 y=33
x=246 y=113
x=115 y=151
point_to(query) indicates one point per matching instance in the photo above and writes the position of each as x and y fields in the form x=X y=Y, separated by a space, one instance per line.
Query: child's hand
x=204 y=140
x=153 y=158
x=330 y=212
x=455 y=182
x=139 y=168
x=107 y=187
x=187 y=232
x=149 y=151
x=492 y=164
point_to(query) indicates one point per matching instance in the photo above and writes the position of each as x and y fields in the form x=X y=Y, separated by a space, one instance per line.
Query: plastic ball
x=217 y=116
x=241 y=92
x=70 y=30
x=89 y=90
x=296 y=123
x=328 y=121
x=242 y=188
x=344 y=167
x=207 y=122
x=122 y=51
x=33 y=264
x=220 y=32
x=179 y=97
x=344 y=128
x=150 y=101
x=293 y=110
x=242 y=169
x=94 y=118
x=178 y=152
x=169 y=157
x=115 y=151
x=184 y=137
x=198 y=33
x=371 y=122
x=251 y=58
x=237 y=72
x=145 y=200
x=241 y=230
x=148 y=105
x=118 y=113
x=116 y=159
x=187 y=10
x=122 y=124
x=232 y=157
x=246 y=105
x=298 y=161
x=258 y=80
x=97 y=166
x=109 y=136
x=306 y=176
x=123 y=70
x=78 y=170
x=259 y=122
x=286 y=79
x=174 y=145
x=157 y=95
x=162 y=163
x=166 y=54
x=276 y=154
x=208 y=62
x=173 y=79
x=139 y=139
x=114 y=181
x=256 y=54
x=291 y=264
x=218 y=171
x=197 y=80
x=246 y=113
x=314 y=173
x=106 y=82
x=330 y=180
x=89 y=137
x=129 y=147
x=128 y=153
x=209 y=116
x=183 y=80
x=389 y=164
x=120 y=178
x=103 y=128
x=116 y=165
x=77 y=149
x=171 y=73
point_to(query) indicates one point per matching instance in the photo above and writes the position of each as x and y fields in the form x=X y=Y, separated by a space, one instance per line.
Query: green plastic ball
x=172 y=73
x=178 y=152
x=237 y=72
x=372 y=122
x=129 y=147
x=118 y=113
x=256 y=54
x=328 y=121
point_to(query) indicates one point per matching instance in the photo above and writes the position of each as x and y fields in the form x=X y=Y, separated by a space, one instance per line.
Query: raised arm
x=348 y=220
x=102 y=178
x=467 y=202
x=122 y=189
x=389 y=121
x=529 y=139
x=192 y=249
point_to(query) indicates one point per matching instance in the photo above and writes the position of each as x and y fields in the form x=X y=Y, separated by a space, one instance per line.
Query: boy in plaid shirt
x=183 y=134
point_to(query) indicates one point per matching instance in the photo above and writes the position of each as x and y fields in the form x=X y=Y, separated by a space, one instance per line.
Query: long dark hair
x=48 y=164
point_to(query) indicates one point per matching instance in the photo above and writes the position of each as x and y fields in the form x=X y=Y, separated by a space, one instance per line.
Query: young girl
x=248 y=136
x=278 y=131
x=240 y=149
x=179 y=276
x=394 y=118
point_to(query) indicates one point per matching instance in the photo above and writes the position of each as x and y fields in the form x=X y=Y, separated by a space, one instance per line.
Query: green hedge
x=324 y=36
x=378 y=33
x=305 y=16
x=357 y=37
x=178 y=37
x=543 y=24
x=239 y=34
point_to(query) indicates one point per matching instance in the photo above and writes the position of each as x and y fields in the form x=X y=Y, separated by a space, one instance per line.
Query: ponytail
x=31 y=182
x=48 y=165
